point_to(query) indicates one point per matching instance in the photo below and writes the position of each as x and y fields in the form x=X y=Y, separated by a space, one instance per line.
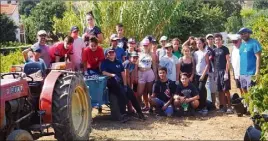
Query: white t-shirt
x=170 y=63
x=161 y=52
x=145 y=60
x=235 y=61
x=200 y=60
x=78 y=45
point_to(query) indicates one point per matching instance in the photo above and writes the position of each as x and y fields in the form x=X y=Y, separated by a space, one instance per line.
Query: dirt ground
x=215 y=126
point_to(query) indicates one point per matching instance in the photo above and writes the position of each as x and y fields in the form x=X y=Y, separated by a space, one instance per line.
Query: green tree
x=41 y=17
x=7 y=29
x=26 y=6
x=70 y=18
x=260 y=4
x=195 y=18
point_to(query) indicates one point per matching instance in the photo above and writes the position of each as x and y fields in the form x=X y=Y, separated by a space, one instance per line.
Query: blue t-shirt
x=119 y=53
x=247 y=56
x=114 y=67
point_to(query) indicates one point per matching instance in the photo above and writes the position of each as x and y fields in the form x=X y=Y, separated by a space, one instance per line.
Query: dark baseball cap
x=37 y=49
x=74 y=28
x=244 y=30
x=109 y=50
x=133 y=54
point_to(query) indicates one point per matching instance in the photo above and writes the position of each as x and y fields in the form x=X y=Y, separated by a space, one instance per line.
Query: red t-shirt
x=93 y=58
x=58 y=50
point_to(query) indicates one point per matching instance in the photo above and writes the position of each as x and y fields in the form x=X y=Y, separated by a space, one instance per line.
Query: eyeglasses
x=90 y=19
x=75 y=31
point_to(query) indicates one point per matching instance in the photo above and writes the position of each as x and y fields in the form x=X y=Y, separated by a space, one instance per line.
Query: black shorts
x=237 y=82
x=221 y=84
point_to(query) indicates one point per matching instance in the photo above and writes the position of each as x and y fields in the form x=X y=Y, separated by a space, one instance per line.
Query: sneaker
x=222 y=110
x=145 y=108
x=124 y=118
x=151 y=111
x=229 y=111
x=141 y=116
x=204 y=111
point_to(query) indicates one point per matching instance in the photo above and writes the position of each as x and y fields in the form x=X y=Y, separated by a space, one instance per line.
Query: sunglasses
x=235 y=41
x=42 y=35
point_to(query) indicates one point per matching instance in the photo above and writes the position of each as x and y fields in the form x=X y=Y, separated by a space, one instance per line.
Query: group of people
x=163 y=80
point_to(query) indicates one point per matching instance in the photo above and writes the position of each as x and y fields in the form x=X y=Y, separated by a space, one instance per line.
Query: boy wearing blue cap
x=250 y=53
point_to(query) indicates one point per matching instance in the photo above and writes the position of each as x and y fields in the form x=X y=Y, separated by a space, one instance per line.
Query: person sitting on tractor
x=60 y=50
x=163 y=91
x=186 y=95
x=92 y=57
x=35 y=57
x=131 y=73
x=117 y=83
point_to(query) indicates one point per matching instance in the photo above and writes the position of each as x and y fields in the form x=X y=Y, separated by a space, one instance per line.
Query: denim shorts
x=160 y=103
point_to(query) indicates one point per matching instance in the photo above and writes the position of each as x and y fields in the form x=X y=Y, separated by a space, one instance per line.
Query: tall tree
x=41 y=17
x=7 y=29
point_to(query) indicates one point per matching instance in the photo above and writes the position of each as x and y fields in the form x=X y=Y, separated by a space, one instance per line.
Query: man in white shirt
x=235 y=58
x=171 y=62
x=78 y=46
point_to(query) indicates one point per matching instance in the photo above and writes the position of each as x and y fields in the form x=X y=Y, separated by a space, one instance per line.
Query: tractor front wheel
x=18 y=135
x=71 y=108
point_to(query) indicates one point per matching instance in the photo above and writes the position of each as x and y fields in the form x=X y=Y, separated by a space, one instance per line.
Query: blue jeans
x=160 y=103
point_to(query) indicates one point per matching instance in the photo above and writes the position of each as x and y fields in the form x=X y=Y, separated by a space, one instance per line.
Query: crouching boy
x=163 y=91
x=186 y=94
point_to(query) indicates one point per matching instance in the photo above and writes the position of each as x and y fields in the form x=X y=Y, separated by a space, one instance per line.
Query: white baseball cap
x=41 y=32
x=163 y=38
x=234 y=36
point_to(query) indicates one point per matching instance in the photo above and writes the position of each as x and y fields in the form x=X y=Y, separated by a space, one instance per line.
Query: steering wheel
x=30 y=78
x=11 y=73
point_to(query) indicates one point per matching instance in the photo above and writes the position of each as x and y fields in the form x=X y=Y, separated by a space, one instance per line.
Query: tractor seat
x=36 y=71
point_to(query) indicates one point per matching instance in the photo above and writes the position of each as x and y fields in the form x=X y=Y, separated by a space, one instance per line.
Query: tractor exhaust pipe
x=24 y=117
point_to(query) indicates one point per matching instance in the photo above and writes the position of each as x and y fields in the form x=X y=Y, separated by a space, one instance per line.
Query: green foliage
x=12 y=44
x=7 y=29
x=260 y=4
x=233 y=24
x=140 y=18
x=70 y=18
x=26 y=6
x=195 y=18
x=41 y=17
x=13 y=58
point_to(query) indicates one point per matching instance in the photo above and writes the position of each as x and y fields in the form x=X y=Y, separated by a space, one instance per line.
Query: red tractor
x=31 y=103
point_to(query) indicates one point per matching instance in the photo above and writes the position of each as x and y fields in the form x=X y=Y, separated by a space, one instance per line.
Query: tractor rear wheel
x=18 y=135
x=71 y=108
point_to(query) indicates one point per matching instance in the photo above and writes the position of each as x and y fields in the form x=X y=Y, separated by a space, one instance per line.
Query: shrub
x=13 y=58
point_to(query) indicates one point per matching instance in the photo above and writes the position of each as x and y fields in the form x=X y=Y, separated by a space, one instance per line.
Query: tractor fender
x=45 y=101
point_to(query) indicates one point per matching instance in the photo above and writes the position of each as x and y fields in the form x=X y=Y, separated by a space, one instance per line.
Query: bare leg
x=148 y=87
x=141 y=88
x=195 y=104
x=228 y=98
x=222 y=99
x=241 y=91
